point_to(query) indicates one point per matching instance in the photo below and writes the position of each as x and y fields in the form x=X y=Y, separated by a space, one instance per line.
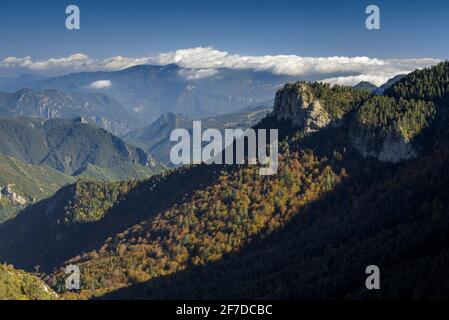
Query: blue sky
x=307 y=28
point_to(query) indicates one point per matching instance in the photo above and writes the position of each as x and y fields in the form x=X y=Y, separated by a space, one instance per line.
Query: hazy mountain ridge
x=380 y=90
x=155 y=138
x=12 y=84
x=94 y=107
x=148 y=91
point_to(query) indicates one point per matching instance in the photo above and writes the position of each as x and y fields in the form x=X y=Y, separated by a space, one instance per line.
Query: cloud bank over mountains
x=74 y=62
x=204 y=62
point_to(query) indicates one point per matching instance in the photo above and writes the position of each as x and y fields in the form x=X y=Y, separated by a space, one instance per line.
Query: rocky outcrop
x=296 y=103
x=304 y=107
x=8 y=193
x=388 y=147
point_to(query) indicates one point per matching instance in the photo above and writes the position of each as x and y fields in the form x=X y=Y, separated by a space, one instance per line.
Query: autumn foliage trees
x=216 y=221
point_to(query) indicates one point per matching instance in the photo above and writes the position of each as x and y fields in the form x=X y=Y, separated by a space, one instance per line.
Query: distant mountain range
x=365 y=85
x=129 y=99
x=155 y=138
x=389 y=83
x=94 y=107
x=149 y=91
x=14 y=84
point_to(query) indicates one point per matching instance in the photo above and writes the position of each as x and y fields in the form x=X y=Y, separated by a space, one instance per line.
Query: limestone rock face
x=8 y=193
x=387 y=147
x=296 y=104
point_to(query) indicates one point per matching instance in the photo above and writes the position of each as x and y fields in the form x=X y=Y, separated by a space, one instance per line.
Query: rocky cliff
x=384 y=128
x=296 y=103
x=387 y=129
x=390 y=147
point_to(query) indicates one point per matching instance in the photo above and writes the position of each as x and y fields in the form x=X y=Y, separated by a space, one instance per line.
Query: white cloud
x=375 y=70
x=100 y=84
x=353 y=80
x=119 y=62
x=74 y=62
x=11 y=62
x=203 y=62
x=194 y=74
